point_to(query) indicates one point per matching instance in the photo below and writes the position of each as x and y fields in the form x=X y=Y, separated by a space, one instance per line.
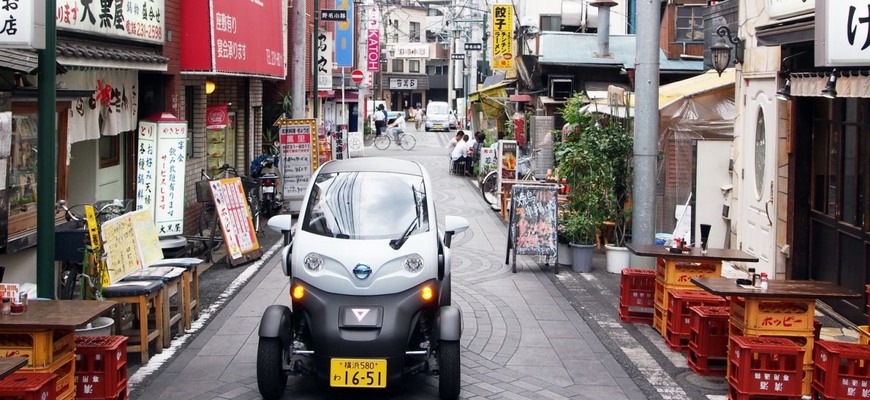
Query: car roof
x=373 y=164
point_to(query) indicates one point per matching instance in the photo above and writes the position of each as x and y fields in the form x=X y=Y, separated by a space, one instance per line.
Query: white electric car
x=369 y=283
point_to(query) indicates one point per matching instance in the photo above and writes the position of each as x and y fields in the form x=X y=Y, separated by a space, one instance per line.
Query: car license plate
x=361 y=373
x=268 y=189
x=437 y=126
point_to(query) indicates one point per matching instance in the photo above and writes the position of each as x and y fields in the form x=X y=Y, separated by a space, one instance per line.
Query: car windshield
x=437 y=109
x=366 y=205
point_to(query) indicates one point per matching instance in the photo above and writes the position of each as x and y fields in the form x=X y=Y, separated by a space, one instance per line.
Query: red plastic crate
x=706 y=366
x=101 y=366
x=842 y=370
x=679 y=315
x=636 y=295
x=708 y=331
x=26 y=386
x=734 y=394
x=766 y=366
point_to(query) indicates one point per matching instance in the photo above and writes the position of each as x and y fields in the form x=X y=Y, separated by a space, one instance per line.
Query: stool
x=142 y=296
x=457 y=167
x=190 y=279
x=170 y=276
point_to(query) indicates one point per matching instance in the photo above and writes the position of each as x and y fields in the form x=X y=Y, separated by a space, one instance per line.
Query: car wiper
x=396 y=244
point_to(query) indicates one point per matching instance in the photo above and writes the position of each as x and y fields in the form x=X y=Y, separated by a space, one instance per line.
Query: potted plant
x=579 y=232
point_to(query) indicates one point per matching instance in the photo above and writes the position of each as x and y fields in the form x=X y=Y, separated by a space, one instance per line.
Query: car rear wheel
x=270 y=369
x=448 y=370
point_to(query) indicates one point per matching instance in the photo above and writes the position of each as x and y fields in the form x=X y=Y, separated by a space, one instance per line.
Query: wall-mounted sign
x=502 y=36
x=409 y=50
x=474 y=46
x=373 y=46
x=324 y=60
x=344 y=31
x=842 y=33
x=231 y=36
x=403 y=83
x=333 y=15
x=162 y=155
x=23 y=24
x=298 y=155
x=457 y=56
x=216 y=117
x=787 y=8
x=142 y=21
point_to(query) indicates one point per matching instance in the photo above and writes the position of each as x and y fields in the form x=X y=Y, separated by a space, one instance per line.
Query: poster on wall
x=237 y=227
x=299 y=152
x=160 y=164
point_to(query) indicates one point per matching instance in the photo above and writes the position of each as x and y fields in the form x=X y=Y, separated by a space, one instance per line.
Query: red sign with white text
x=373 y=56
x=248 y=37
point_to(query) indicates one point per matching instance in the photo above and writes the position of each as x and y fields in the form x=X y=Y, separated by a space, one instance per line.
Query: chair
x=171 y=277
x=190 y=285
x=143 y=296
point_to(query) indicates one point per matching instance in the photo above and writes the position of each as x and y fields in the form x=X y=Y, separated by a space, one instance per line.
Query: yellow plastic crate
x=680 y=273
x=660 y=320
x=774 y=315
x=864 y=332
x=41 y=348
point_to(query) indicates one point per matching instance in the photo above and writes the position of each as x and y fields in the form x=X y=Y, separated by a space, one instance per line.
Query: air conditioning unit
x=561 y=87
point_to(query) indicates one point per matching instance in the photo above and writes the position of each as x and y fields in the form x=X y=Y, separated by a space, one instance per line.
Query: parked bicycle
x=404 y=140
x=81 y=277
x=208 y=226
x=489 y=185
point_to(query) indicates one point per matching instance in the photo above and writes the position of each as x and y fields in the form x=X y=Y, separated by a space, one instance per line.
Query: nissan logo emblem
x=362 y=271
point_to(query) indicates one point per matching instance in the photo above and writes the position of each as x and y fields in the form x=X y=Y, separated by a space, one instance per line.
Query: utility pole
x=316 y=59
x=646 y=124
x=297 y=85
x=46 y=158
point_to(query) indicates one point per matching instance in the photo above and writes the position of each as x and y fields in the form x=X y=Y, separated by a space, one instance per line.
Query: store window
x=414 y=66
x=110 y=151
x=398 y=65
x=689 y=23
x=415 y=32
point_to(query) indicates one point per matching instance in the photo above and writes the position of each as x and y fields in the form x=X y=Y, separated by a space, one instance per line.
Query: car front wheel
x=448 y=370
x=270 y=373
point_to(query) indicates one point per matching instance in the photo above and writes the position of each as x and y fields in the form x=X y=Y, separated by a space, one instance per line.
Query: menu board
x=122 y=254
x=160 y=166
x=533 y=221
x=146 y=163
x=299 y=155
x=237 y=227
x=488 y=160
x=507 y=157
x=147 y=239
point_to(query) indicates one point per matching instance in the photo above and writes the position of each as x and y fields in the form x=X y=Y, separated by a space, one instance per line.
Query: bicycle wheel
x=382 y=142
x=489 y=188
x=206 y=219
x=407 y=141
x=67 y=281
x=254 y=203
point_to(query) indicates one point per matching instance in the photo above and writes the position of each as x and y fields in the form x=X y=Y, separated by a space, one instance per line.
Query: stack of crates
x=47 y=352
x=842 y=371
x=636 y=295
x=101 y=367
x=679 y=319
x=764 y=367
x=24 y=386
x=790 y=319
x=708 y=340
x=673 y=273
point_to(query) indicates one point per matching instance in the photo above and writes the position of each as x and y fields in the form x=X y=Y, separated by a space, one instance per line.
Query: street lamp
x=720 y=52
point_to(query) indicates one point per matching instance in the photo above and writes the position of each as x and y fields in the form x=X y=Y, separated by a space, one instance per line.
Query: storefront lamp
x=830 y=90
x=784 y=93
x=720 y=52
x=209 y=87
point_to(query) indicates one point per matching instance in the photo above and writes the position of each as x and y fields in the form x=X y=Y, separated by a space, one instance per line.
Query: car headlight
x=413 y=263
x=313 y=262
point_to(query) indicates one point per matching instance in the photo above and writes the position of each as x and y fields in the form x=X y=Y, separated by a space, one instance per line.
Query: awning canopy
x=494 y=99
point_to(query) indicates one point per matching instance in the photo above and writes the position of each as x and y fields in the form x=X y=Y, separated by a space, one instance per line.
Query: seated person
x=456 y=139
x=460 y=154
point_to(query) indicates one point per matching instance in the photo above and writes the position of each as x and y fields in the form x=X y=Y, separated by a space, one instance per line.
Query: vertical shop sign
x=373 y=58
x=344 y=35
x=502 y=37
x=507 y=156
x=165 y=147
x=842 y=31
x=23 y=24
x=298 y=155
x=324 y=60
x=146 y=163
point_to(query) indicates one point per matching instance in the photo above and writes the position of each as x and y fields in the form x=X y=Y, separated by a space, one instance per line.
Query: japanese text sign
x=161 y=158
x=22 y=24
x=324 y=60
x=237 y=227
x=142 y=21
x=842 y=33
x=298 y=155
x=502 y=36
x=403 y=83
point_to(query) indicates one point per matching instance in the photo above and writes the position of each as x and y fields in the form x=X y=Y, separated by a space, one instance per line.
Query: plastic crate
x=101 y=366
x=706 y=366
x=679 y=318
x=735 y=394
x=780 y=315
x=842 y=370
x=24 y=386
x=765 y=366
x=803 y=341
x=680 y=273
x=636 y=291
x=864 y=334
x=41 y=348
x=660 y=320
x=64 y=368
x=708 y=331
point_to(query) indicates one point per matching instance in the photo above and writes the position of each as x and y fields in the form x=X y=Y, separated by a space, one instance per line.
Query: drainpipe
x=603 y=26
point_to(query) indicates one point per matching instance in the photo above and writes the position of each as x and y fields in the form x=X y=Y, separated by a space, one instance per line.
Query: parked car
x=438 y=115
x=369 y=281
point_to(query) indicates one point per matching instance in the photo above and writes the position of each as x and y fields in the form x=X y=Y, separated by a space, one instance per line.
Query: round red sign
x=356 y=76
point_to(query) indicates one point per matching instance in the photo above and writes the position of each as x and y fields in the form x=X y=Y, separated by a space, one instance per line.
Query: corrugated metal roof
x=568 y=48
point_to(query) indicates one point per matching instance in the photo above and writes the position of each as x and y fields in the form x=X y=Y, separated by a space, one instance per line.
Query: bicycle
x=490 y=185
x=85 y=276
x=405 y=140
x=208 y=222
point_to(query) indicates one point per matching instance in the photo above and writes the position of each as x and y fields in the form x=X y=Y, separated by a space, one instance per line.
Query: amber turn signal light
x=298 y=292
x=427 y=293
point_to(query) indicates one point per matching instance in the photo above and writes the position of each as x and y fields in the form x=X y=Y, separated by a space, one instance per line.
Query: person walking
x=380 y=119
x=419 y=118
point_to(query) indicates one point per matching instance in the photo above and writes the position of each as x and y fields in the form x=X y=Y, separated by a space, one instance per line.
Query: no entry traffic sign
x=356 y=76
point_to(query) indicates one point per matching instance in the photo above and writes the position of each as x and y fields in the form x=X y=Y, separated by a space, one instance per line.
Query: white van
x=438 y=116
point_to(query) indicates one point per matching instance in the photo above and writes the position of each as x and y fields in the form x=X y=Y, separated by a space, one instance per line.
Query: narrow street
x=527 y=335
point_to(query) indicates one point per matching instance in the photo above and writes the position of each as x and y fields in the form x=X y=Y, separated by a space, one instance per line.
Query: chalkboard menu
x=533 y=222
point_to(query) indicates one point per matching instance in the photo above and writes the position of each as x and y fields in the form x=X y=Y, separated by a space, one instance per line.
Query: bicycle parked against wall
x=489 y=185
x=79 y=247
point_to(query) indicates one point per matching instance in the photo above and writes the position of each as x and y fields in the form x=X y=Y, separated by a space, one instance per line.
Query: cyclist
x=397 y=127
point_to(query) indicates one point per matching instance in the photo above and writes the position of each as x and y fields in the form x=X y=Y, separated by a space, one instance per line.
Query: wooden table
x=792 y=306
x=8 y=365
x=712 y=255
x=56 y=314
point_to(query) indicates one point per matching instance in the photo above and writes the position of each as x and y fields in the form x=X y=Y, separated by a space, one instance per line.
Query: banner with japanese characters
x=502 y=36
x=135 y=20
x=298 y=155
x=324 y=60
x=112 y=107
x=160 y=163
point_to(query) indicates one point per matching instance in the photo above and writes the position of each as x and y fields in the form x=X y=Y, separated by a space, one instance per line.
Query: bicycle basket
x=203 y=192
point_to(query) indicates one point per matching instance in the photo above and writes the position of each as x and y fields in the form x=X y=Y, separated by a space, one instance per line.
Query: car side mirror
x=283 y=224
x=452 y=226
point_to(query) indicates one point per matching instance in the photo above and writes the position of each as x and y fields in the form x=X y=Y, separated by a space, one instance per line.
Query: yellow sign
x=147 y=239
x=502 y=36
x=122 y=256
